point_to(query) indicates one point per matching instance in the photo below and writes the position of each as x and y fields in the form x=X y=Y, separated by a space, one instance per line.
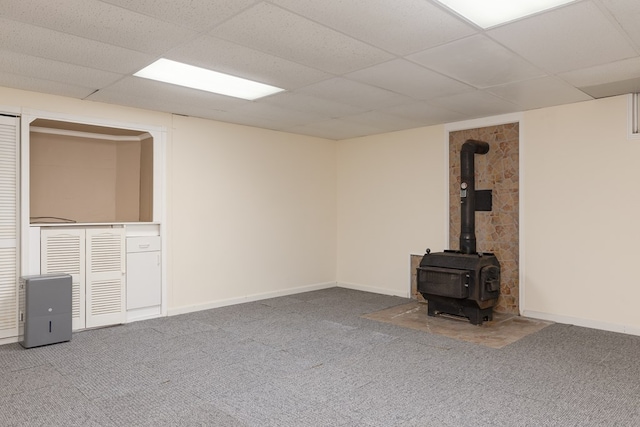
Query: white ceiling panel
x=476 y=104
x=46 y=43
x=400 y=26
x=349 y=68
x=47 y=69
x=425 y=113
x=627 y=14
x=199 y=15
x=478 y=61
x=261 y=122
x=564 y=39
x=384 y=122
x=165 y=96
x=310 y=104
x=409 y=79
x=335 y=129
x=99 y=21
x=607 y=73
x=281 y=33
x=45 y=86
x=537 y=93
x=280 y=117
x=151 y=104
x=613 y=88
x=221 y=55
x=354 y=93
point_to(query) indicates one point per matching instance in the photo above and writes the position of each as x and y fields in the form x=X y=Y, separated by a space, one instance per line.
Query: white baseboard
x=372 y=289
x=143 y=314
x=249 y=298
x=587 y=323
x=8 y=340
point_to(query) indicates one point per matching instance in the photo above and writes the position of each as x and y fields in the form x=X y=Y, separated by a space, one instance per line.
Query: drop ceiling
x=349 y=68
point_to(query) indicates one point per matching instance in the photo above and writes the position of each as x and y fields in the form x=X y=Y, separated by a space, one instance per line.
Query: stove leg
x=475 y=318
x=431 y=309
x=478 y=315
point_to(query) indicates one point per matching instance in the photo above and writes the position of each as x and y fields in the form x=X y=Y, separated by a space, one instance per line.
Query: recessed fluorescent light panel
x=488 y=13
x=177 y=73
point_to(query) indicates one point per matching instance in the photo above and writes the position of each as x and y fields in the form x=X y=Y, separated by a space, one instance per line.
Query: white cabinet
x=8 y=226
x=62 y=251
x=105 y=286
x=144 y=280
x=94 y=257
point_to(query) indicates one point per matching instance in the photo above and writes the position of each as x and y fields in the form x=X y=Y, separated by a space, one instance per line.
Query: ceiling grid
x=349 y=69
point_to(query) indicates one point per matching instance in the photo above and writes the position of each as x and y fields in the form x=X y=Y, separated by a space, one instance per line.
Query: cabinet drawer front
x=143 y=244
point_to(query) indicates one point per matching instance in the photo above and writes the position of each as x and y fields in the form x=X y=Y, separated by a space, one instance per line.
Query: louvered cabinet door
x=62 y=250
x=8 y=226
x=105 y=284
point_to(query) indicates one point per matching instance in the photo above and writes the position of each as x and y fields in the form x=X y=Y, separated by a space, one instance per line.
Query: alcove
x=80 y=173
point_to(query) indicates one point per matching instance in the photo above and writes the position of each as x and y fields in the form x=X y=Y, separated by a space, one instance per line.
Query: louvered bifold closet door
x=62 y=251
x=105 y=298
x=8 y=226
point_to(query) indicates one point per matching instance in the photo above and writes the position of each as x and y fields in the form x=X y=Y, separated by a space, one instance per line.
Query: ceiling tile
x=149 y=104
x=310 y=104
x=44 y=86
x=564 y=39
x=425 y=113
x=259 y=122
x=400 y=26
x=46 y=43
x=198 y=15
x=606 y=73
x=334 y=129
x=408 y=79
x=354 y=93
x=280 y=117
x=221 y=55
x=476 y=104
x=166 y=97
x=298 y=39
x=477 y=61
x=613 y=89
x=627 y=14
x=384 y=122
x=99 y=21
x=350 y=68
x=46 y=69
x=538 y=93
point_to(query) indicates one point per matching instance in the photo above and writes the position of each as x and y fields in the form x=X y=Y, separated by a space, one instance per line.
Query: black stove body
x=464 y=282
x=460 y=284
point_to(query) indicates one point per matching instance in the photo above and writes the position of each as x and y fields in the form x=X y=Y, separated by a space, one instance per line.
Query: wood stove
x=463 y=282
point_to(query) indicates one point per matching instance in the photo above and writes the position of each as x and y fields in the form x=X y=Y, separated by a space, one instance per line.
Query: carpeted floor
x=312 y=360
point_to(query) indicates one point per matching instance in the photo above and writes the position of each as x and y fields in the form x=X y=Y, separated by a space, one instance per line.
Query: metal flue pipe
x=468 y=193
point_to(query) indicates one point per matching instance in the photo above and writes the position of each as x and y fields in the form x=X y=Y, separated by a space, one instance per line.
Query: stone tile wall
x=496 y=231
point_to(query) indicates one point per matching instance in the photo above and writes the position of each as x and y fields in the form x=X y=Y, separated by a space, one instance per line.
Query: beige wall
x=249 y=211
x=146 y=180
x=83 y=179
x=581 y=213
x=127 y=181
x=253 y=211
x=73 y=178
x=391 y=203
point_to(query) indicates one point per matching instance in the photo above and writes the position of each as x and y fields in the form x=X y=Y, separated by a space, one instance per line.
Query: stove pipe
x=468 y=193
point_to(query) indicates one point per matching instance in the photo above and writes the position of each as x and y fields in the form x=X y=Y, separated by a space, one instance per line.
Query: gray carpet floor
x=311 y=360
